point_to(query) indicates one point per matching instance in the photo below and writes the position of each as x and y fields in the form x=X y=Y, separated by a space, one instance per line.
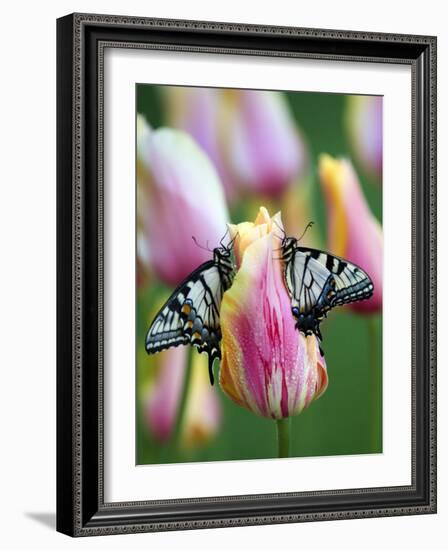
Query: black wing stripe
x=324 y=281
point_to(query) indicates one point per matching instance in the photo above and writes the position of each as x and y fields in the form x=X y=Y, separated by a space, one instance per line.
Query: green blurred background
x=347 y=419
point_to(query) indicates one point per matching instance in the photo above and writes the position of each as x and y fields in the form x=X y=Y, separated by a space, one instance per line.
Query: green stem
x=283 y=437
x=375 y=385
x=177 y=430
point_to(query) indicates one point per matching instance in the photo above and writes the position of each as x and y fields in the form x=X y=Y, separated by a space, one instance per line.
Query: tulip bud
x=202 y=415
x=183 y=199
x=268 y=366
x=266 y=152
x=162 y=399
x=203 y=409
x=197 y=111
x=353 y=231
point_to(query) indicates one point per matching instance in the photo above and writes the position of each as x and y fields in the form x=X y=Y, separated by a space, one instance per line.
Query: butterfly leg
x=210 y=368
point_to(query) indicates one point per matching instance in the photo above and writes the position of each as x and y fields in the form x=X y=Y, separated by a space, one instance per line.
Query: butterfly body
x=317 y=282
x=191 y=314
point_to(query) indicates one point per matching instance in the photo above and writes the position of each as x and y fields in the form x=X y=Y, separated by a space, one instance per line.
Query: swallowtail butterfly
x=191 y=314
x=318 y=281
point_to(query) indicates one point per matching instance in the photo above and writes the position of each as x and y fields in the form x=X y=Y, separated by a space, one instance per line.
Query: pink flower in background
x=183 y=198
x=143 y=131
x=250 y=136
x=364 y=118
x=198 y=112
x=202 y=417
x=268 y=366
x=162 y=399
x=353 y=231
x=203 y=409
x=265 y=150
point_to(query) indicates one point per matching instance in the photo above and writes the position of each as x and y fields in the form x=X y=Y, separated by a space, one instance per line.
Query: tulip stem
x=177 y=431
x=283 y=437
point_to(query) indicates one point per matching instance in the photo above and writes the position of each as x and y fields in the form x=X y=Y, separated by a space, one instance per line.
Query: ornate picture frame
x=81 y=43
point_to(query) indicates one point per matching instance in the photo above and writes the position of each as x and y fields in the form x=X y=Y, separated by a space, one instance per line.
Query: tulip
x=266 y=152
x=203 y=409
x=183 y=199
x=353 y=231
x=268 y=366
x=198 y=112
x=249 y=135
x=202 y=414
x=162 y=399
x=364 y=119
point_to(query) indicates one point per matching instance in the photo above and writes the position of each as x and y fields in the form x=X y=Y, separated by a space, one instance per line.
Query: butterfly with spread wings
x=318 y=281
x=191 y=314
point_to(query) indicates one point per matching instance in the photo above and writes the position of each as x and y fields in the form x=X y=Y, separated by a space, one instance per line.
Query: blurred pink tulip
x=249 y=135
x=143 y=131
x=202 y=416
x=268 y=366
x=364 y=119
x=198 y=112
x=162 y=399
x=353 y=231
x=265 y=150
x=183 y=198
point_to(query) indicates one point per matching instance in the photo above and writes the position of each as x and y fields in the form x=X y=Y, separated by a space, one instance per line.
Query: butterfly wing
x=309 y=283
x=351 y=282
x=318 y=281
x=191 y=315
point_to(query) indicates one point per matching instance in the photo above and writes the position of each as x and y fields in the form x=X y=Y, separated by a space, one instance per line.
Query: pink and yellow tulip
x=353 y=231
x=268 y=366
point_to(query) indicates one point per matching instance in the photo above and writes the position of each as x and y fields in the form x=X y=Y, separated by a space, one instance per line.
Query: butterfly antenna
x=310 y=224
x=200 y=246
x=281 y=229
x=221 y=242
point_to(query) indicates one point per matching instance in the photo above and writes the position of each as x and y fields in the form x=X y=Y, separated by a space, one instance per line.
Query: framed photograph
x=246 y=274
